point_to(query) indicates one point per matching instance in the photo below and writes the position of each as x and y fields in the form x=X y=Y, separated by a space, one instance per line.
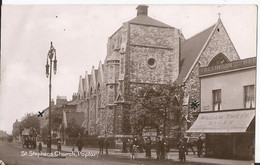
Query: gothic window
x=99 y=95
x=110 y=94
x=249 y=96
x=216 y=99
x=218 y=59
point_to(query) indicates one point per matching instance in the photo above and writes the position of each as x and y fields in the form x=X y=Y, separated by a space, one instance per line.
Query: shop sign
x=149 y=131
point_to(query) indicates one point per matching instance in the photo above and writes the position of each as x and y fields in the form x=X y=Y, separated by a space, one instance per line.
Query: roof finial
x=219 y=15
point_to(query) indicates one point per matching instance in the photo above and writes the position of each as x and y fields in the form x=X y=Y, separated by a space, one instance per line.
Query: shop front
x=229 y=134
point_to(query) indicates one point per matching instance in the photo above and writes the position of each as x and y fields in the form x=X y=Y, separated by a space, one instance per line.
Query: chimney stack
x=74 y=96
x=142 y=10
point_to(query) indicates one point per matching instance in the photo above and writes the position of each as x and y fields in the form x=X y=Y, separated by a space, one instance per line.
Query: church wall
x=164 y=70
x=219 y=43
x=161 y=44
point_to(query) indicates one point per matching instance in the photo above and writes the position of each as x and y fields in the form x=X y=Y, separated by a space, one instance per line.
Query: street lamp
x=50 y=55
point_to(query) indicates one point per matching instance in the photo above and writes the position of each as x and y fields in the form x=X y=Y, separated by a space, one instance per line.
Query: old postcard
x=128 y=84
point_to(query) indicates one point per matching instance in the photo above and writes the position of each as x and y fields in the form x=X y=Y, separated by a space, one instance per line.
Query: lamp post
x=50 y=55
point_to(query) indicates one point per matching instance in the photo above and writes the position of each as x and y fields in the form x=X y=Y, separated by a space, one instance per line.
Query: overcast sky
x=80 y=33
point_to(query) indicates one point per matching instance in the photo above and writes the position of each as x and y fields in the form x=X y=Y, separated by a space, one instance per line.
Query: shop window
x=249 y=96
x=216 y=99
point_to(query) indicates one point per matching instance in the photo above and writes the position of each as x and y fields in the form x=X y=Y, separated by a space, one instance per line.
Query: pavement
x=172 y=156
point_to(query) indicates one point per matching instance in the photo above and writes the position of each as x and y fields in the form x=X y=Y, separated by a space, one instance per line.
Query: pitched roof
x=89 y=78
x=96 y=74
x=83 y=84
x=190 y=50
x=145 y=20
x=73 y=102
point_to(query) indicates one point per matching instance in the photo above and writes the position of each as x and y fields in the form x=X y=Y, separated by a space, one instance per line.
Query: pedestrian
x=101 y=145
x=157 y=148
x=182 y=149
x=106 y=145
x=59 y=146
x=148 y=147
x=124 y=146
x=199 y=146
x=167 y=148
x=80 y=143
x=162 y=148
x=40 y=147
x=131 y=145
x=140 y=144
x=189 y=145
x=145 y=146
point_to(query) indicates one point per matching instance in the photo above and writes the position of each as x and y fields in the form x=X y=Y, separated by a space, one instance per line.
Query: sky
x=79 y=34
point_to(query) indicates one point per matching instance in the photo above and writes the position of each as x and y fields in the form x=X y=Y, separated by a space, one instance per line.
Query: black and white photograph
x=124 y=84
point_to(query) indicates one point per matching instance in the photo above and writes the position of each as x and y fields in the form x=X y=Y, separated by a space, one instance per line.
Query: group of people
x=103 y=143
x=162 y=146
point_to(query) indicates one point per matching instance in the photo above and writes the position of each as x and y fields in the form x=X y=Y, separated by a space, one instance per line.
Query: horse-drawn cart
x=28 y=138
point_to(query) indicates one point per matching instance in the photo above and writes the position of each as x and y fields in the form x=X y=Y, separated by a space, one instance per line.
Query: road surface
x=14 y=154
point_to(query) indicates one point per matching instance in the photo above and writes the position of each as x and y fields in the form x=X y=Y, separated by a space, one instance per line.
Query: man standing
x=148 y=147
x=106 y=145
x=189 y=145
x=199 y=146
x=162 y=148
x=124 y=146
x=80 y=143
x=182 y=149
x=101 y=144
x=157 y=147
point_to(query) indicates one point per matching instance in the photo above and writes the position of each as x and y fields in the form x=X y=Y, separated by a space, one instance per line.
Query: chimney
x=74 y=96
x=61 y=100
x=52 y=102
x=142 y=10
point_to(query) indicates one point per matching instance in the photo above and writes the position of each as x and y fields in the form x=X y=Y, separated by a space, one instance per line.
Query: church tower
x=142 y=51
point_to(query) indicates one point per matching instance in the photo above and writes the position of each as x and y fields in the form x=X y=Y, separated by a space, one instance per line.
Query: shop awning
x=223 y=122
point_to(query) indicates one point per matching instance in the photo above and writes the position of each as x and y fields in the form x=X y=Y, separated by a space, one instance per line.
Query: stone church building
x=147 y=51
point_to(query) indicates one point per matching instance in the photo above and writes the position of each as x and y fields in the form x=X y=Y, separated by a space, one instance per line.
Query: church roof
x=145 y=20
x=190 y=50
x=96 y=74
x=83 y=84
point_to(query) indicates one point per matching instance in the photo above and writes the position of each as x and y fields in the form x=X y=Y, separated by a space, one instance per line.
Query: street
x=11 y=154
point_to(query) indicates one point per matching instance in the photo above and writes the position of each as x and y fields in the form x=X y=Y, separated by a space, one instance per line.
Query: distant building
x=16 y=130
x=3 y=134
x=67 y=118
x=228 y=108
x=146 y=51
x=61 y=105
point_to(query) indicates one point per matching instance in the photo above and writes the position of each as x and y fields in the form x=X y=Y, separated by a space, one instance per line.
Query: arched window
x=218 y=59
x=99 y=95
